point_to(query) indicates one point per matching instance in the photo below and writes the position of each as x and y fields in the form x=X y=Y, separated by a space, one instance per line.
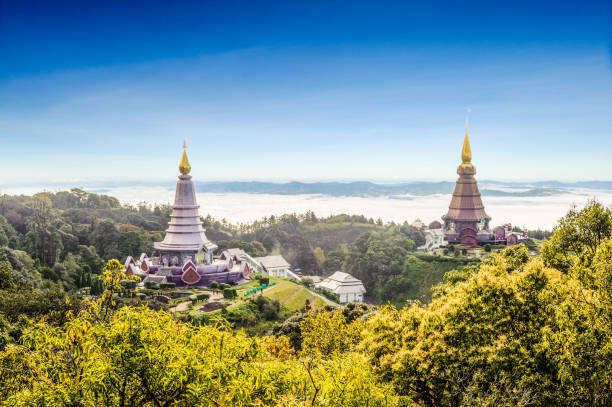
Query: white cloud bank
x=530 y=212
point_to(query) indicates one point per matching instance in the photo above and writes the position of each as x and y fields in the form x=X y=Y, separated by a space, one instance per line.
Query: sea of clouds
x=530 y=212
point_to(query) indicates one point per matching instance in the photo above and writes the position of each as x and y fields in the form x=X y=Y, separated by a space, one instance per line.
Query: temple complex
x=466 y=221
x=185 y=257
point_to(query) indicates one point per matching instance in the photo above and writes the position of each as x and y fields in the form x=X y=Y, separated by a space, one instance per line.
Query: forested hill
x=65 y=237
x=513 y=330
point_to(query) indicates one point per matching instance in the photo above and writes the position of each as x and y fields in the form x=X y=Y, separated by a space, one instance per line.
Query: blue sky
x=290 y=91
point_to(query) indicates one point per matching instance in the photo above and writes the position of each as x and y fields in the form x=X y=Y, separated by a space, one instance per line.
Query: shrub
x=464 y=251
x=487 y=248
x=151 y=285
x=308 y=282
x=330 y=295
x=264 y=280
x=203 y=296
x=128 y=284
x=165 y=286
x=229 y=293
x=224 y=286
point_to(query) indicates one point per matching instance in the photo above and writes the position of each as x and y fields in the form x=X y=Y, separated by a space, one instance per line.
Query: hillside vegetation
x=512 y=330
x=64 y=238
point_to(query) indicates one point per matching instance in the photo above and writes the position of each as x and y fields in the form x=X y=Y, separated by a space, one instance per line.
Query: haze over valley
x=530 y=205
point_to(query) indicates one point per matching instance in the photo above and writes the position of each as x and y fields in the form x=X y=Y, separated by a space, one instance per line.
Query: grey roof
x=342 y=283
x=154 y=279
x=434 y=232
x=273 y=262
x=239 y=253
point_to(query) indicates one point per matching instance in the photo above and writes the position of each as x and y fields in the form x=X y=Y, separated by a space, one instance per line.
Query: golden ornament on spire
x=466 y=152
x=184 y=166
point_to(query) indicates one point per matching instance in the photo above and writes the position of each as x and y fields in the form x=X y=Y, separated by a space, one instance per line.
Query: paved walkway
x=182 y=306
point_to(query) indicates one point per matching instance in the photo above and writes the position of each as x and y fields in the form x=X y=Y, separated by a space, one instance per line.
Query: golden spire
x=184 y=166
x=466 y=152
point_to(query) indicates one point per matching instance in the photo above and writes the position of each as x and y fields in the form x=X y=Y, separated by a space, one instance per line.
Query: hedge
x=151 y=285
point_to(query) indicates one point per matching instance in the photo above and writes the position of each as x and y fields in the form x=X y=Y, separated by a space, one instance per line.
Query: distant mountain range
x=364 y=188
x=357 y=188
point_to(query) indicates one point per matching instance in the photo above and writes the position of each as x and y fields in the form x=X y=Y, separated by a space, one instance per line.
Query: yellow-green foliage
x=512 y=331
x=480 y=343
x=143 y=357
x=327 y=334
x=140 y=357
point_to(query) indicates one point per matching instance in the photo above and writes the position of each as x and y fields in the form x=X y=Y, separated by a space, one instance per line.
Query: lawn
x=293 y=296
x=289 y=294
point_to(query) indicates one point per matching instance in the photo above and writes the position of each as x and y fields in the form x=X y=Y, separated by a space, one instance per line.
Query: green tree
x=130 y=243
x=335 y=259
x=300 y=254
x=42 y=240
x=581 y=342
x=7 y=281
x=104 y=238
x=230 y=293
x=481 y=343
x=142 y=357
x=577 y=236
x=327 y=333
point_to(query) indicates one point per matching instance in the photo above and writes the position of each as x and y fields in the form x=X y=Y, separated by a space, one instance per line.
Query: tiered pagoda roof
x=466 y=204
x=185 y=232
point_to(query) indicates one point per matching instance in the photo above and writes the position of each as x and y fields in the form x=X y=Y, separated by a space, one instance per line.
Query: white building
x=274 y=266
x=434 y=239
x=345 y=286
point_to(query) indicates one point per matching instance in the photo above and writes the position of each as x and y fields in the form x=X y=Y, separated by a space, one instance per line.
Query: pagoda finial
x=466 y=152
x=184 y=166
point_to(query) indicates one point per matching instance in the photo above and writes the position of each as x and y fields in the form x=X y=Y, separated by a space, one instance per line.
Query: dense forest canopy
x=63 y=238
x=511 y=330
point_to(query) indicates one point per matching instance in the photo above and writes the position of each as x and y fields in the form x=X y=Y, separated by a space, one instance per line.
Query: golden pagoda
x=466 y=221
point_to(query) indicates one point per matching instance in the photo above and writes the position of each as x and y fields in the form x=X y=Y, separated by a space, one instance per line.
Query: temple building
x=466 y=221
x=434 y=239
x=185 y=256
x=275 y=266
x=185 y=239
